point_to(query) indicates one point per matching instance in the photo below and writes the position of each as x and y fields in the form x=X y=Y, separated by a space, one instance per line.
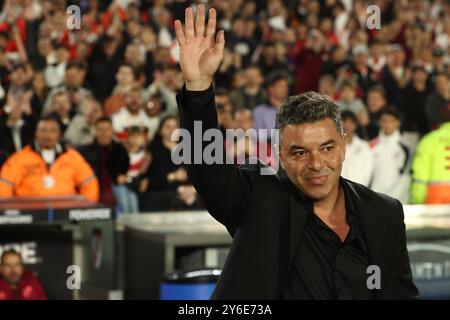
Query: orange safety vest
x=25 y=173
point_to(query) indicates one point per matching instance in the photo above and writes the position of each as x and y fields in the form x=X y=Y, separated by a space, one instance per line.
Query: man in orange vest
x=47 y=168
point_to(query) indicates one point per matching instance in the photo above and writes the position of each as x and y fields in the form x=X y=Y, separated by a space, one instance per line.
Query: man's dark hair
x=103 y=119
x=77 y=64
x=49 y=117
x=134 y=70
x=9 y=252
x=345 y=115
x=133 y=130
x=308 y=107
x=274 y=77
x=377 y=88
x=391 y=111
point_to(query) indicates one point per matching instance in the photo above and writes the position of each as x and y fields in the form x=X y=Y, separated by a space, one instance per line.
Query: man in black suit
x=305 y=234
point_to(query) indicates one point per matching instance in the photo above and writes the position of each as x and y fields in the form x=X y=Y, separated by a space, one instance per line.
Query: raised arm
x=222 y=186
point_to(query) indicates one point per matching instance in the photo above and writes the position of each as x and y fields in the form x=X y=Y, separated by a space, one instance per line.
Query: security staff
x=47 y=168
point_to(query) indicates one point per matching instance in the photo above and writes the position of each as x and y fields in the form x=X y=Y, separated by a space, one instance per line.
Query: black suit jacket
x=117 y=163
x=266 y=214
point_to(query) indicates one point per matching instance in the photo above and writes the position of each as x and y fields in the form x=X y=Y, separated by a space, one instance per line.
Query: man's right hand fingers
x=200 y=21
x=211 y=29
x=189 y=24
x=179 y=32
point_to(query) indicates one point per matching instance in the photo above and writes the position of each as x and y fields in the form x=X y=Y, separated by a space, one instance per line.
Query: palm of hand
x=200 y=50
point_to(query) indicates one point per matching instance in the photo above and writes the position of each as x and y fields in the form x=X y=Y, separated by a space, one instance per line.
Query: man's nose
x=316 y=162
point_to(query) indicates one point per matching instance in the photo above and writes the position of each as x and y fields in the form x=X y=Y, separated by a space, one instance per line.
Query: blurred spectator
x=358 y=164
x=349 y=101
x=61 y=109
x=395 y=75
x=391 y=158
x=17 y=125
x=376 y=102
x=81 y=130
x=133 y=115
x=224 y=110
x=269 y=62
x=308 y=63
x=163 y=174
x=327 y=86
x=338 y=58
x=47 y=168
x=277 y=91
x=430 y=169
x=135 y=180
x=54 y=73
x=104 y=64
x=377 y=58
x=126 y=77
x=413 y=104
x=165 y=85
x=74 y=78
x=108 y=158
x=437 y=102
x=361 y=71
x=252 y=93
x=242 y=147
x=17 y=283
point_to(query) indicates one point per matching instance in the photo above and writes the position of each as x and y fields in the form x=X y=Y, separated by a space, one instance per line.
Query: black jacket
x=117 y=163
x=265 y=215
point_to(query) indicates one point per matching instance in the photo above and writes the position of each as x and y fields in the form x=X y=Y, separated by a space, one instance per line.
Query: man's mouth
x=318 y=180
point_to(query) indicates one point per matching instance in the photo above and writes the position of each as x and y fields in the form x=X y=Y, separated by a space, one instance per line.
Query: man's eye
x=328 y=148
x=299 y=153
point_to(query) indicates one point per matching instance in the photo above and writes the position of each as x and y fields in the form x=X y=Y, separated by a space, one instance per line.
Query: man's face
x=375 y=101
x=253 y=76
x=279 y=90
x=348 y=93
x=61 y=104
x=125 y=75
x=420 y=76
x=92 y=111
x=18 y=77
x=244 y=120
x=389 y=124
x=11 y=269
x=74 y=77
x=168 y=128
x=104 y=133
x=312 y=156
x=47 y=134
x=326 y=86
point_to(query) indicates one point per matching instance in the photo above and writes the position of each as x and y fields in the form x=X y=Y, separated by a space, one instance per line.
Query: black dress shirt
x=327 y=268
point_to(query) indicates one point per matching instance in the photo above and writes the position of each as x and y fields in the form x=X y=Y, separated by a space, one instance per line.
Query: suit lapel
x=294 y=222
x=375 y=228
